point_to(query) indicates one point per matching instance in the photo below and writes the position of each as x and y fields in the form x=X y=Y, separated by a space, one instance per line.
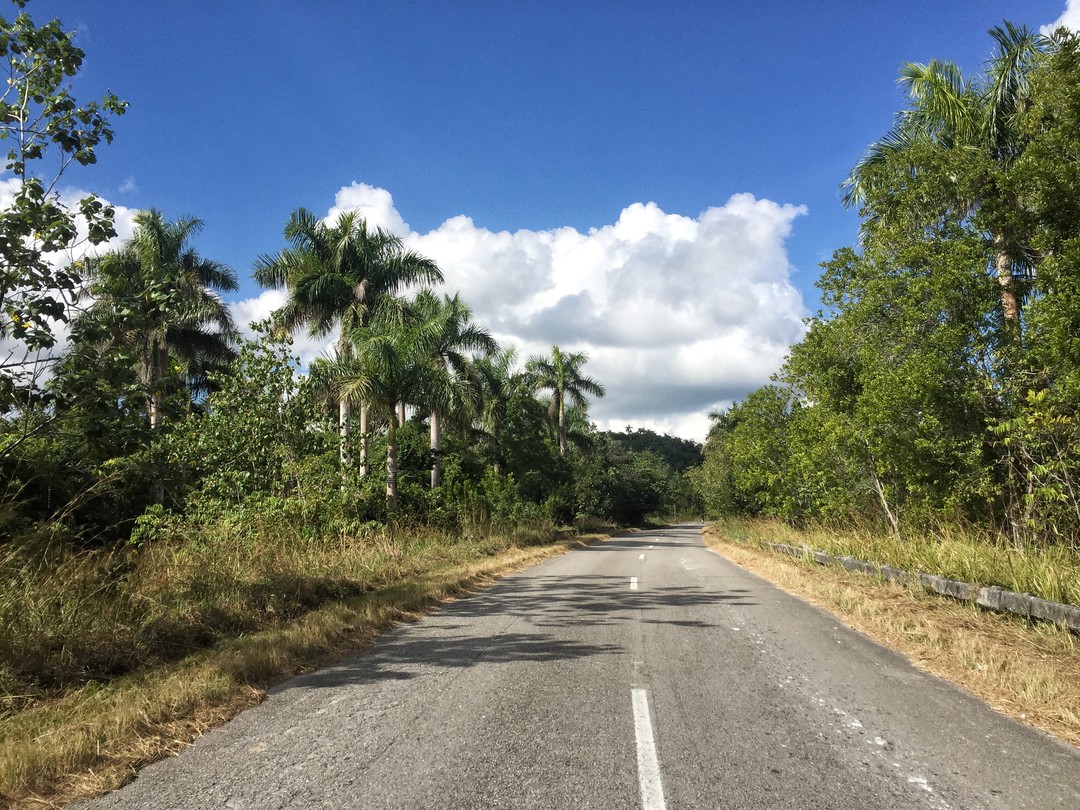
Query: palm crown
x=561 y=373
x=341 y=273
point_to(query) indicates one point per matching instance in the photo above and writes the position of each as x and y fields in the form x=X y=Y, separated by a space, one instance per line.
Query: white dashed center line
x=652 y=790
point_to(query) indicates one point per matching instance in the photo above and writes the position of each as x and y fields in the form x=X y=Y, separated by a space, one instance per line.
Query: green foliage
x=342 y=271
x=620 y=485
x=1042 y=451
x=746 y=465
x=680 y=454
x=43 y=124
x=940 y=384
x=257 y=433
x=562 y=374
x=905 y=374
x=154 y=304
x=345 y=274
x=495 y=503
x=528 y=452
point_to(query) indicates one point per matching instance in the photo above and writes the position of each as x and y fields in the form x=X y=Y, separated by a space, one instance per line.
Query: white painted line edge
x=633 y=583
x=652 y=789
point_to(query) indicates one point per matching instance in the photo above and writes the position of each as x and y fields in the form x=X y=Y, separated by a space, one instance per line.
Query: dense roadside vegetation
x=166 y=485
x=172 y=494
x=937 y=394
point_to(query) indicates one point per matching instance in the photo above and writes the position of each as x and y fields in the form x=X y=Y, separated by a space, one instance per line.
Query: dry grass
x=93 y=738
x=77 y=740
x=1052 y=572
x=1030 y=672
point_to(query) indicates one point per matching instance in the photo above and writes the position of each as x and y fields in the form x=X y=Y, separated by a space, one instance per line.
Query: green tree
x=451 y=334
x=340 y=274
x=514 y=439
x=500 y=384
x=901 y=377
x=561 y=373
x=1039 y=437
x=389 y=362
x=613 y=483
x=154 y=301
x=256 y=429
x=983 y=121
x=940 y=382
x=43 y=125
x=678 y=453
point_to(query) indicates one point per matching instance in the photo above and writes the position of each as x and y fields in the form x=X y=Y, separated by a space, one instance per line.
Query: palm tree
x=499 y=384
x=980 y=119
x=156 y=299
x=450 y=333
x=561 y=374
x=340 y=274
x=390 y=363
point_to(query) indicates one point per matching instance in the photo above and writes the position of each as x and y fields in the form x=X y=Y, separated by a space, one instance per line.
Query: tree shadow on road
x=539 y=619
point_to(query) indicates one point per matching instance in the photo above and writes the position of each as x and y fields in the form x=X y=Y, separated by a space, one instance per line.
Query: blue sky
x=520 y=143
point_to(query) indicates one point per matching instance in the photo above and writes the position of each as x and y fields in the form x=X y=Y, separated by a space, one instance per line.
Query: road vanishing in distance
x=641 y=672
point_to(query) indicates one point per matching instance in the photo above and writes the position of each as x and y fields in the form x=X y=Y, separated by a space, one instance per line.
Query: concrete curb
x=991 y=598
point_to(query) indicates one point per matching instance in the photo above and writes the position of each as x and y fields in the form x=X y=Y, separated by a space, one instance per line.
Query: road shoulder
x=1025 y=671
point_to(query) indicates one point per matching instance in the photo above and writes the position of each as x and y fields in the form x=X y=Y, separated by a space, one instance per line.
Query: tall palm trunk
x=344 y=351
x=365 y=437
x=157 y=492
x=156 y=360
x=562 y=426
x=436 y=450
x=344 y=413
x=551 y=421
x=391 y=463
x=1010 y=303
x=155 y=404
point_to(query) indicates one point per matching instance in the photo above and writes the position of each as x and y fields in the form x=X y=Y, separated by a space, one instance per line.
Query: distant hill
x=678 y=453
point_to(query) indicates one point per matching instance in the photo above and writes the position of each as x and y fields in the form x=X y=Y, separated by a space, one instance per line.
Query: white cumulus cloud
x=678 y=314
x=261 y=307
x=1070 y=18
x=375 y=205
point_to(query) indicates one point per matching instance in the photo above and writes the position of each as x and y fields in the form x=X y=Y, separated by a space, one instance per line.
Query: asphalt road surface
x=641 y=672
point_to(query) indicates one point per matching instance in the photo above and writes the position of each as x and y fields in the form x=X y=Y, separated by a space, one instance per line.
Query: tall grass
x=957 y=552
x=68 y=618
x=112 y=659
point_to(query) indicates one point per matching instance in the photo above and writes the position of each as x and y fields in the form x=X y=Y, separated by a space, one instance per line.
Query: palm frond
x=1008 y=90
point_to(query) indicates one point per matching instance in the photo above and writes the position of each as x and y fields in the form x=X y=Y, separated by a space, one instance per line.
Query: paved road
x=644 y=671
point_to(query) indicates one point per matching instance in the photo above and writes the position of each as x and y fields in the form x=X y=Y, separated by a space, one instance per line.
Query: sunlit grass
x=957 y=553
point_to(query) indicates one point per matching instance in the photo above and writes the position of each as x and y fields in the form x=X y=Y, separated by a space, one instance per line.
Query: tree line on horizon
x=940 y=382
x=153 y=407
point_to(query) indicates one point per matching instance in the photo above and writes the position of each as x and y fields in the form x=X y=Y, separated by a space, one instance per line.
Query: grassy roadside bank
x=1049 y=572
x=60 y=741
x=1030 y=672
